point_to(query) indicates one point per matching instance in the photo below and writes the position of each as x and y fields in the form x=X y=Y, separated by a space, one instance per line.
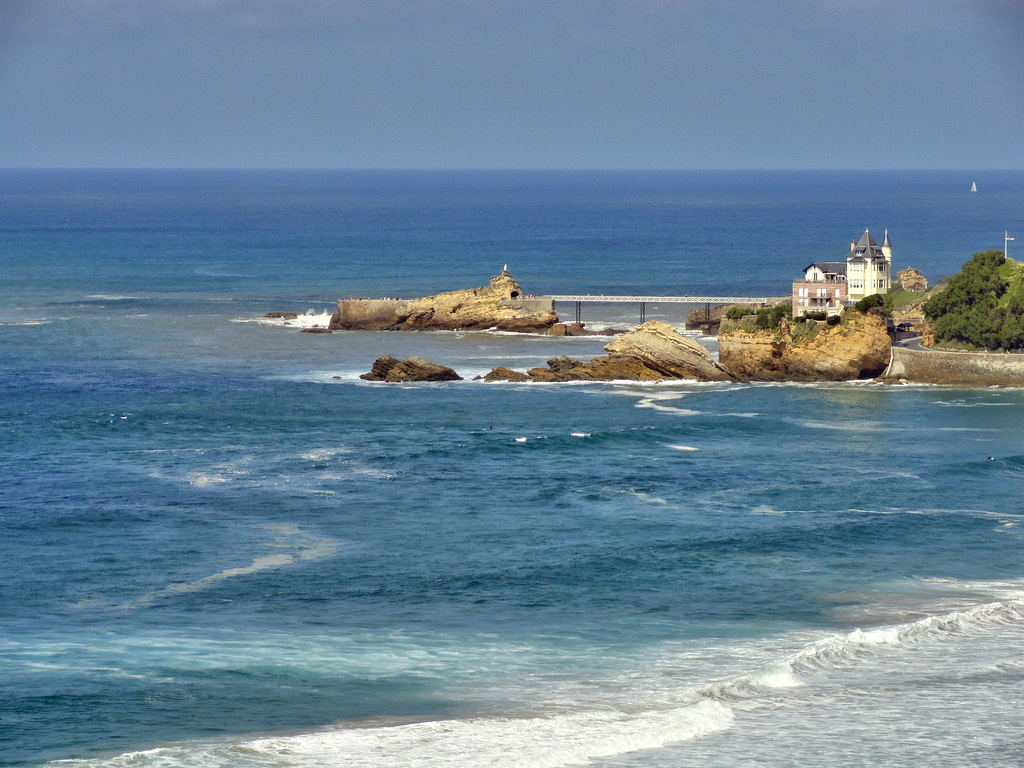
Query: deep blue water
x=222 y=548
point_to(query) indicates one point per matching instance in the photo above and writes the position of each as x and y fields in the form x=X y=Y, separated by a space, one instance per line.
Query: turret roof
x=865 y=248
x=866 y=240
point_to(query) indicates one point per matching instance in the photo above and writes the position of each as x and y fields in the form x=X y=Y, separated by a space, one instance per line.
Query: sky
x=862 y=84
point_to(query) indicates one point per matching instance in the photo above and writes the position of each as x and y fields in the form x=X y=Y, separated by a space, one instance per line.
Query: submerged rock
x=388 y=368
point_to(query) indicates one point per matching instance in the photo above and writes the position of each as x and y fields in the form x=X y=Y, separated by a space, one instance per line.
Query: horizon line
x=503 y=169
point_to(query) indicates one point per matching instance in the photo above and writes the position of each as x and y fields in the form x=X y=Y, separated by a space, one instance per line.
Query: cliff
x=857 y=348
x=652 y=352
x=498 y=306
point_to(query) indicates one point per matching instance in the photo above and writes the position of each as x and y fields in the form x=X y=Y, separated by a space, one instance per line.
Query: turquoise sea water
x=221 y=548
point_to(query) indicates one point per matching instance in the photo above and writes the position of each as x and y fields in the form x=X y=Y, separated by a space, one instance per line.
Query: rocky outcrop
x=578 y=329
x=499 y=306
x=388 y=368
x=506 y=374
x=599 y=369
x=706 y=319
x=653 y=352
x=912 y=279
x=857 y=348
x=661 y=348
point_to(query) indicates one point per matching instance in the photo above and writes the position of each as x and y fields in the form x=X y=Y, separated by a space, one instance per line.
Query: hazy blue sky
x=513 y=83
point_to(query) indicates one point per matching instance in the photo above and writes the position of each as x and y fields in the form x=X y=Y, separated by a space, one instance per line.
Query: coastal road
x=912 y=343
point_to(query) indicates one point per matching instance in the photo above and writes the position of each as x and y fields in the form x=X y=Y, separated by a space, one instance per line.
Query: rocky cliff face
x=859 y=347
x=653 y=352
x=499 y=306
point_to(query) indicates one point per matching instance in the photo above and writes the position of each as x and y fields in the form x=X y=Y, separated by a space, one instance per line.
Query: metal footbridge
x=707 y=301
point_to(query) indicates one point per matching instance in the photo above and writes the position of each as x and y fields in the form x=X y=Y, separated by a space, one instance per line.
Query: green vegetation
x=983 y=305
x=834 y=320
x=735 y=313
x=772 y=317
x=761 y=319
x=898 y=297
x=874 y=301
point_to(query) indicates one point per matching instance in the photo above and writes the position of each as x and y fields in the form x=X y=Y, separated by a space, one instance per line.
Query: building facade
x=828 y=286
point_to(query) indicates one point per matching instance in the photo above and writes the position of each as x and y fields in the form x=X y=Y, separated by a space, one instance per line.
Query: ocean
x=221 y=548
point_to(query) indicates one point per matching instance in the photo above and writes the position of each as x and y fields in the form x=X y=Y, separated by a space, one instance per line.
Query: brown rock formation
x=661 y=348
x=498 y=306
x=387 y=368
x=912 y=279
x=859 y=347
x=598 y=369
x=653 y=352
x=706 y=319
x=505 y=374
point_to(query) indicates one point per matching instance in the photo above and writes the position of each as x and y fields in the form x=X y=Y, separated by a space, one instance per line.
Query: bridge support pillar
x=643 y=311
x=579 y=311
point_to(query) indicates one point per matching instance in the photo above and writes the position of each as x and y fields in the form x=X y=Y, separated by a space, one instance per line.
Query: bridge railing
x=655 y=299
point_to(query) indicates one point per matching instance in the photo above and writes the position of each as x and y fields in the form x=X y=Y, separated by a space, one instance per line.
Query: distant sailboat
x=974 y=187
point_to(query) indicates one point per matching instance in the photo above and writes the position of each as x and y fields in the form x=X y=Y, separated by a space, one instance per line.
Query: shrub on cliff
x=771 y=317
x=874 y=301
x=736 y=313
x=983 y=305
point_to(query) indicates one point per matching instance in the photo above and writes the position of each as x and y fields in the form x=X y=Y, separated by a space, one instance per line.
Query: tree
x=972 y=309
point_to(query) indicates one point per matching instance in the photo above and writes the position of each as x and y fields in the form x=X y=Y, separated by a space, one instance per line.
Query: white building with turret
x=828 y=286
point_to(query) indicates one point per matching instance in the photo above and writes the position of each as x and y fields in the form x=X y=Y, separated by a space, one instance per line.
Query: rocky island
x=500 y=306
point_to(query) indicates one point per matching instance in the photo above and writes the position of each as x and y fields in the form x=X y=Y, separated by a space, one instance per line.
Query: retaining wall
x=973 y=369
x=365 y=313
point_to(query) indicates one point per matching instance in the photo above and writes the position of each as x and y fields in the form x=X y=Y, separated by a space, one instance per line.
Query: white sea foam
x=683 y=448
x=972 y=404
x=656 y=401
x=301 y=546
x=864 y=647
x=308 y=319
x=538 y=741
x=323 y=454
x=846 y=425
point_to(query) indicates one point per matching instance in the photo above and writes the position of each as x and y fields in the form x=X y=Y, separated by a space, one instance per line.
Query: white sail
x=974 y=187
